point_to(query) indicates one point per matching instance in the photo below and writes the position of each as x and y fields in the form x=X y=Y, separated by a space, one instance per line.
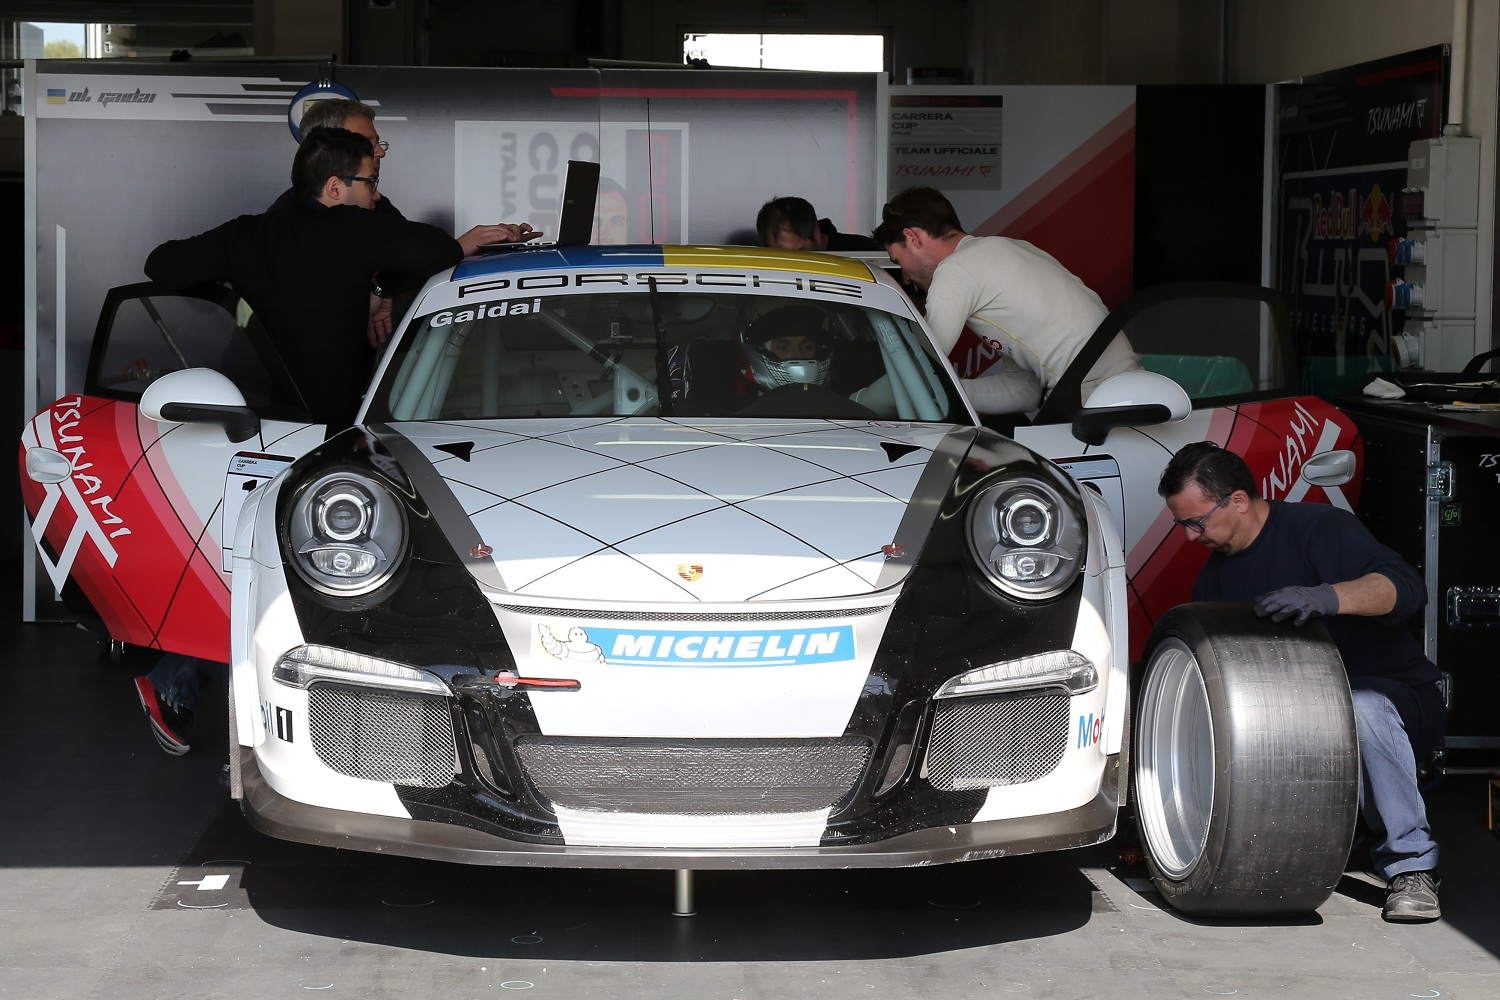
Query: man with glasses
x=385 y=289
x=1298 y=561
x=1021 y=304
x=359 y=118
x=337 y=112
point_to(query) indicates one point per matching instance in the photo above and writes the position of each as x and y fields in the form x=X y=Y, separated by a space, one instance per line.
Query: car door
x=1227 y=347
x=127 y=512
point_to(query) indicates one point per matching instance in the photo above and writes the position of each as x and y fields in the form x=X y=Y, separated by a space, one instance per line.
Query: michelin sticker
x=659 y=648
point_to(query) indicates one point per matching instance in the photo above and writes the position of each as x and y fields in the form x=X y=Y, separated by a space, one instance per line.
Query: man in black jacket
x=306 y=272
x=305 y=269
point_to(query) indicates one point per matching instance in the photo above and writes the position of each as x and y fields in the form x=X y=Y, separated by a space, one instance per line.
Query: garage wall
x=1028 y=43
x=930 y=33
x=1097 y=41
x=933 y=33
x=1271 y=40
x=310 y=27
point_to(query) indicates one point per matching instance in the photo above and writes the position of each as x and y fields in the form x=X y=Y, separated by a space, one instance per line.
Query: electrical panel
x=1439 y=251
x=1442 y=182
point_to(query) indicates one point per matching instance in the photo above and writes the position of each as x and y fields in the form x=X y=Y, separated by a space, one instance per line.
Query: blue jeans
x=1396 y=723
x=179 y=679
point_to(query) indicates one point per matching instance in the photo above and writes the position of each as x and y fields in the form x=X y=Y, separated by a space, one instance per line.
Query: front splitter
x=275 y=815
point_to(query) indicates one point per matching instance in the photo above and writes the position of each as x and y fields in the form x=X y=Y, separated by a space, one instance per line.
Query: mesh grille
x=406 y=739
x=693 y=777
x=976 y=744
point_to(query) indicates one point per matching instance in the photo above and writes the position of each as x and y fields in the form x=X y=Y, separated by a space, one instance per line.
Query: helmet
x=777 y=345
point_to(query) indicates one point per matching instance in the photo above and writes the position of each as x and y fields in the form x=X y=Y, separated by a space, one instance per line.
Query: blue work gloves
x=1298 y=603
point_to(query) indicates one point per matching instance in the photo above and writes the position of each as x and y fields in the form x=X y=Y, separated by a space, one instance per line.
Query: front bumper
x=278 y=816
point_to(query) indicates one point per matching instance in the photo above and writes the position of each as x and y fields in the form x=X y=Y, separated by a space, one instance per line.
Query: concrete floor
x=127 y=874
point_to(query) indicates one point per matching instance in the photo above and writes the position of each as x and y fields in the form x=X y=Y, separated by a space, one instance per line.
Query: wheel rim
x=1175 y=760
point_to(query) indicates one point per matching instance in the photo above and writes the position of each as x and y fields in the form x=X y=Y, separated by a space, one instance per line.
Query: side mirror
x=200 y=396
x=43 y=465
x=1331 y=468
x=1130 y=399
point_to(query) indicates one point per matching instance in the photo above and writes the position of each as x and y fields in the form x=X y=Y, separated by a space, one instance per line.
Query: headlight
x=1026 y=538
x=348 y=534
x=304 y=665
x=1059 y=668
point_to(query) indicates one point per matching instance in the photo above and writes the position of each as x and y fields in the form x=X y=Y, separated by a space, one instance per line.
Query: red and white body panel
x=137 y=524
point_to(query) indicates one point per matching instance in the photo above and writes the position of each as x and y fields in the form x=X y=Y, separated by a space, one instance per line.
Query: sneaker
x=1412 y=898
x=168 y=724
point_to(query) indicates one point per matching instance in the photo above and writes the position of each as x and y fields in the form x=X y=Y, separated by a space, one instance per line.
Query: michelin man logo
x=575 y=648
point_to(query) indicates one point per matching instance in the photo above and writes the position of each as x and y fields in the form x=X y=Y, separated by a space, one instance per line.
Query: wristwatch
x=377 y=291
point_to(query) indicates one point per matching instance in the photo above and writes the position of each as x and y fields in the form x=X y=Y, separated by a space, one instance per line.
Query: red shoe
x=168 y=725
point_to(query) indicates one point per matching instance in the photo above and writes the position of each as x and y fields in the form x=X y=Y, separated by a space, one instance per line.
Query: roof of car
x=509 y=258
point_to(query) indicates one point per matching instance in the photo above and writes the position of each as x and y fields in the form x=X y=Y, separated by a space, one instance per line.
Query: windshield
x=652 y=353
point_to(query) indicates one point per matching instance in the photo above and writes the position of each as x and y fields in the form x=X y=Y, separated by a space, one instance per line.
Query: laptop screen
x=580 y=191
x=575 y=224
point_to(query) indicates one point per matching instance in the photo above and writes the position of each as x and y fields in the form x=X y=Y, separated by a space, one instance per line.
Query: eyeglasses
x=374 y=182
x=1198 y=523
x=384 y=146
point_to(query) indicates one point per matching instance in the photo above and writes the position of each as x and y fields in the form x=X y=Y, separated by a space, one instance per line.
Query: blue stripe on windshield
x=524 y=258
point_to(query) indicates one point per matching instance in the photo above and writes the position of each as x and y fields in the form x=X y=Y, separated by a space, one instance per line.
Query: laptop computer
x=576 y=223
x=580 y=194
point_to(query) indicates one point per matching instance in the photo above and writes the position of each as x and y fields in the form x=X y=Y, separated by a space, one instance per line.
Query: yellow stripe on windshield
x=762 y=259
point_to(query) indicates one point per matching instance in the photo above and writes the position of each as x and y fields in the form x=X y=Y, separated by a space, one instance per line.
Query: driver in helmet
x=790 y=346
x=787 y=346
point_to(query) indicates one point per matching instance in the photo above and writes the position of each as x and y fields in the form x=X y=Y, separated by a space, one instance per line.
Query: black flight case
x=1431 y=491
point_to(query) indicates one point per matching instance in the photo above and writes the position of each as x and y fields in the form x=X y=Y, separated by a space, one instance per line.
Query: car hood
x=654 y=510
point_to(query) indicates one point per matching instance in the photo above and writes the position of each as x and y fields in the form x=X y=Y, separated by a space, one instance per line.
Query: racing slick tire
x=1245 y=763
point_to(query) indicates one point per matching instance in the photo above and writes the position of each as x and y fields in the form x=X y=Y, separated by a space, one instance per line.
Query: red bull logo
x=1335 y=221
x=1375 y=215
x=1338 y=220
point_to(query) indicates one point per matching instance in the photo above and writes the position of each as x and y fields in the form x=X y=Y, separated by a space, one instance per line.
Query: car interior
x=655 y=354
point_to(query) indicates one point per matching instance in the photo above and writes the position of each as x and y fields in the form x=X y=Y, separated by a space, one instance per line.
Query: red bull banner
x=1336 y=229
x=1342 y=162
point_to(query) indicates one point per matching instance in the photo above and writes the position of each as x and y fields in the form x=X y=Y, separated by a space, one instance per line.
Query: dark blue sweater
x=1305 y=544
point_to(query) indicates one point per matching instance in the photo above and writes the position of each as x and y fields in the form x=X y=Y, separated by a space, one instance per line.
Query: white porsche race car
x=688 y=557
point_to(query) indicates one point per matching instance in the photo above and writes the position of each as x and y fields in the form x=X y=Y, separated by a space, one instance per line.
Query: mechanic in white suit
x=1029 y=308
